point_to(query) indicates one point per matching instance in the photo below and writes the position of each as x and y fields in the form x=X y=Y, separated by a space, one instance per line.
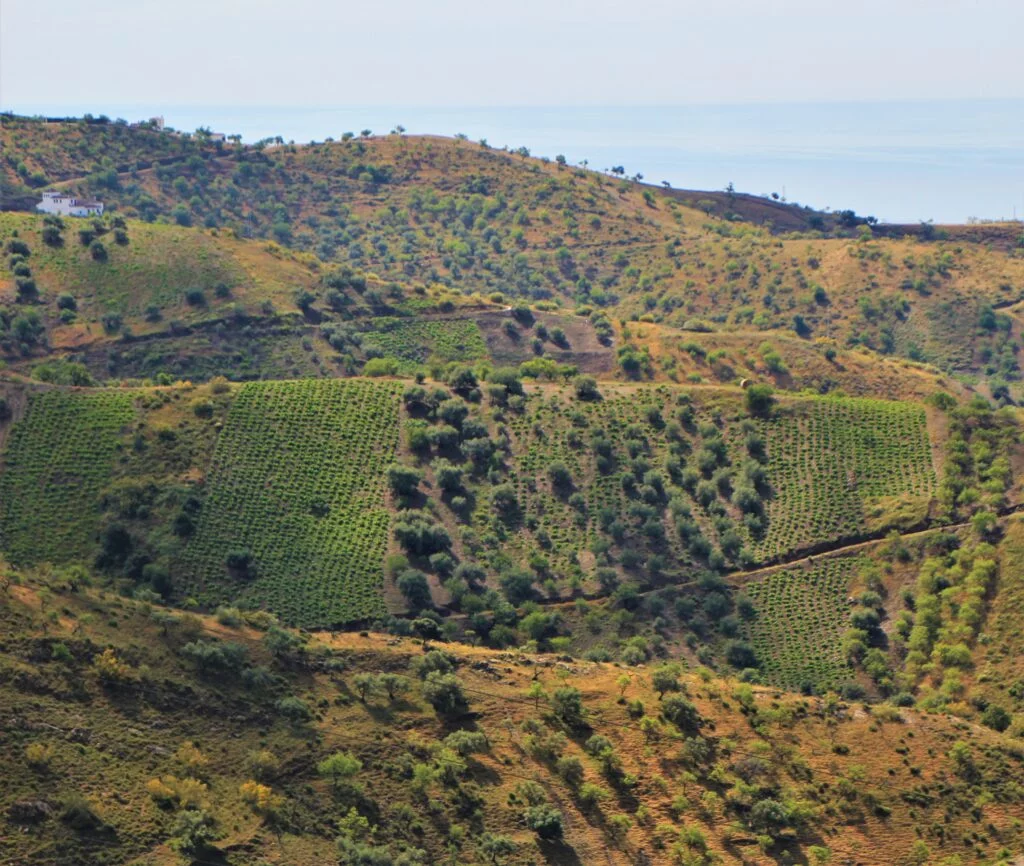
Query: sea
x=949 y=161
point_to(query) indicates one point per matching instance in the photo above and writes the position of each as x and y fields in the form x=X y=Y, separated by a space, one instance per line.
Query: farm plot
x=58 y=459
x=598 y=443
x=829 y=458
x=297 y=482
x=414 y=342
x=801 y=617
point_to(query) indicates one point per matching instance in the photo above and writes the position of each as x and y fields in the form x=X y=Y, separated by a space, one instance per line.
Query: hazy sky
x=528 y=52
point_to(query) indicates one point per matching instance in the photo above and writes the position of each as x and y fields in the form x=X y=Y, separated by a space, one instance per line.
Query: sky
x=479 y=53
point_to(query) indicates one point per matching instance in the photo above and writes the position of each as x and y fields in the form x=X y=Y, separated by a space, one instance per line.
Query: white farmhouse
x=67 y=205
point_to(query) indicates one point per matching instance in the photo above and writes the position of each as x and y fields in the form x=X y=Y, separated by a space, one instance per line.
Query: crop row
x=297 y=480
x=829 y=457
x=58 y=459
x=414 y=342
x=801 y=617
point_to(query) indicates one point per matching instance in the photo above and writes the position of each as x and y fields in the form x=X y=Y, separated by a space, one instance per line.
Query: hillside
x=38 y=152
x=344 y=502
x=133 y=733
x=186 y=303
x=400 y=500
x=439 y=210
x=134 y=300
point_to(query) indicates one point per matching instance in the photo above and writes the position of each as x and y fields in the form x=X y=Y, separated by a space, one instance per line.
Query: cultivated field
x=297 y=483
x=57 y=460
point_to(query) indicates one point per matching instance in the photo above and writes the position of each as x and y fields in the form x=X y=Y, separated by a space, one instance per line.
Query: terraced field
x=416 y=342
x=829 y=458
x=58 y=459
x=297 y=482
x=801 y=616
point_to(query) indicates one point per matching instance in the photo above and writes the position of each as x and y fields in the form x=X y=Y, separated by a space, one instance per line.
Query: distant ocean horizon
x=947 y=160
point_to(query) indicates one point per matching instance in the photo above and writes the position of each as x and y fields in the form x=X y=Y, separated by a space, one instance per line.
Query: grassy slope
x=246 y=324
x=161 y=263
x=842 y=763
x=432 y=208
x=157 y=267
x=68 y=150
x=728 y=357
x=709 y=274
x=455 y=213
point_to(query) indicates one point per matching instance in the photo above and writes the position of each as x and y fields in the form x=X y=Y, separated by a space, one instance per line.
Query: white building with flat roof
x=64 y=204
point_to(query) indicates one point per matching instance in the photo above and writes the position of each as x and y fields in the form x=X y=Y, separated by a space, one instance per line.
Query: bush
x=413 y=585
x=586 y=388
x=768 y=816
x=28 y=292
x=229 y=616
x=465 y=743
x=570 y=768
x=435 y=661
x=682 y=713
x=759 y=399
x=591 y=795
x=39 y=755
x=517 y=585
x=380 y=367
x=567 y=706
x=444 y=693
x=403 y=480
x=339 y=768
x=263 y=765
x=494 y=846
x=240 y=561
x=996 y=717
x=80 y=814
x=504 y=499
x=417 y=532
x=741 y=655
x=195 y=833
x=449 y=476
x=213 y=658
x=545 y=820
x=294 y=709
x=559 y=474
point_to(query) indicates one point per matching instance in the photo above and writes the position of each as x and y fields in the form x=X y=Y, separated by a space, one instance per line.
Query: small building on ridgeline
x=64 y=204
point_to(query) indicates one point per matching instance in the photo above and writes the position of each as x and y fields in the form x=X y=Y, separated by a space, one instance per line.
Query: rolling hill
x=480 y=220
x=402 y=500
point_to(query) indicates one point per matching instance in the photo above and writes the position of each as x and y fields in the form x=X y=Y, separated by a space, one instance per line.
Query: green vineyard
x=58 y=459
x=415 y=342
x=829 y=457
x=297 y=485
x=801 y=617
